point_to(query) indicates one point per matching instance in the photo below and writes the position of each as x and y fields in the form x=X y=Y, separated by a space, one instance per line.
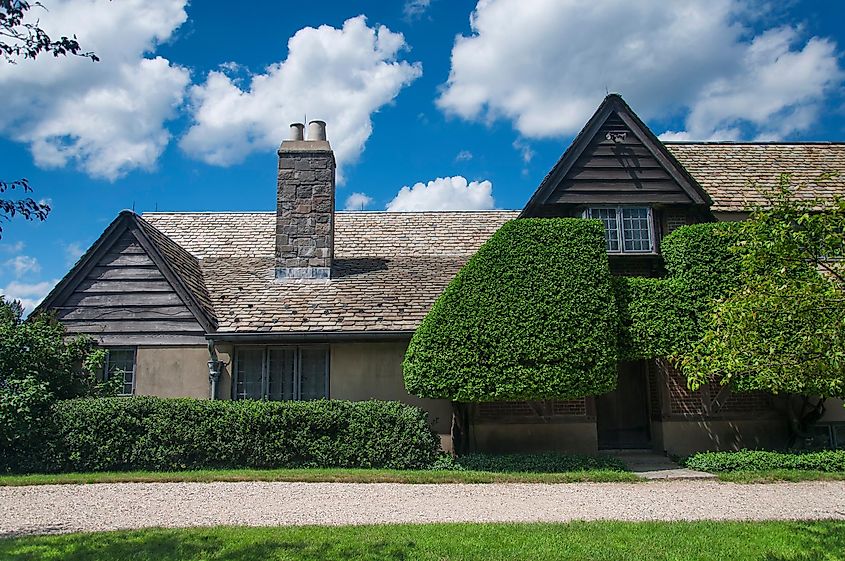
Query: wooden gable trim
x=614 y=103
x=126 y=221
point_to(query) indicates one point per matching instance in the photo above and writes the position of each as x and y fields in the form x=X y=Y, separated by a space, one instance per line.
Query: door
x=622 y=418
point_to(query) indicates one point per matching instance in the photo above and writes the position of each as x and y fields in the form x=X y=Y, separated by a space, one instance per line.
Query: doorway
x=622 y=418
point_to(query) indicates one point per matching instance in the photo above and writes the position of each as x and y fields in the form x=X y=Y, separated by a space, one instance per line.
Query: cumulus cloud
x=21 y=265
x=341 y=76
x=698 y=60
x=358 y=201
x=106 y=117
x=30 y=295
x=444 y=193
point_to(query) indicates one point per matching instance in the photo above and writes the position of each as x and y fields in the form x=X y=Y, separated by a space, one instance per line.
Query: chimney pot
x=296 y=131
x=316 y=130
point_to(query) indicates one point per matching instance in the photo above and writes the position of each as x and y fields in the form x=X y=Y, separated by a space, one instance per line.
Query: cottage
x=307 y=302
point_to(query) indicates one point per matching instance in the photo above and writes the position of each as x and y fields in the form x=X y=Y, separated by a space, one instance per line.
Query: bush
x=147 y=433
x=758 y=460
x=531 y=315
x=543 y=462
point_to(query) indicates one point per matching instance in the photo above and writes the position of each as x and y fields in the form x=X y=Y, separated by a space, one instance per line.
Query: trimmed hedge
x=147 y=433
x=666 y=316
x=531 y=315
x=760 y=460
x=545 y=462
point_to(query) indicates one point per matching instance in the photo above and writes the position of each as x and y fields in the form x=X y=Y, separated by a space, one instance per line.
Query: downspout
x=214 y=365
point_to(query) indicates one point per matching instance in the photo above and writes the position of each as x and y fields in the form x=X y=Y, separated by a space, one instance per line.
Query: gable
x=615 y=159
x=122 y=293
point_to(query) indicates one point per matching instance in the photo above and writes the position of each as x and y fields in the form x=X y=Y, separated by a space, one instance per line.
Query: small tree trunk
x=800 y=424
x=460 y=428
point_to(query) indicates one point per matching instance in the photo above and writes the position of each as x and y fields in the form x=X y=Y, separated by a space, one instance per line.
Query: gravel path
x=69 y=508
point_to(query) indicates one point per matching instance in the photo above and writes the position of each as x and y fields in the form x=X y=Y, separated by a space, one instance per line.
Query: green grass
x=777 y=475
x=582 y=541
x=319 y=475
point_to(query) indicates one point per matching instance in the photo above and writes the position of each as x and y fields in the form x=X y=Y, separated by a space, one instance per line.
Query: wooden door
x=622 y=418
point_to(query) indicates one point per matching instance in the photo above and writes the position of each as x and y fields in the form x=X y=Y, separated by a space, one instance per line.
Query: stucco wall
x=361 y=371
x=172 y=371
x=531 y=437
x=685 y=437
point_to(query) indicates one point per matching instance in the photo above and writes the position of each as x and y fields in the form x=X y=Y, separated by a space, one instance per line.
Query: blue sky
x=462 y=104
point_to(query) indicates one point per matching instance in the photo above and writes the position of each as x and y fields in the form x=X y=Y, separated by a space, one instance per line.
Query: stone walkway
x=649 y=465
x=72 y=508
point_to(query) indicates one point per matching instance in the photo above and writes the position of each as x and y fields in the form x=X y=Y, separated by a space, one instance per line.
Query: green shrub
x=147 y=433
x=703 y=258
x=544 y=462
x=760 y=460
x=531 y=315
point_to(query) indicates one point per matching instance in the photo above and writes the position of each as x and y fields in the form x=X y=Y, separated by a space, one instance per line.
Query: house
x=307 y=302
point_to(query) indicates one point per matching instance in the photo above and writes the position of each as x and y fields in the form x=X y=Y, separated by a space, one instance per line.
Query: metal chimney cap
x=316 y=130
x=297 y=131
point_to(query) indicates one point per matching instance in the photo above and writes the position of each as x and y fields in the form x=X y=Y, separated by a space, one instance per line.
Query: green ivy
x=748 y=460
x=531 y=314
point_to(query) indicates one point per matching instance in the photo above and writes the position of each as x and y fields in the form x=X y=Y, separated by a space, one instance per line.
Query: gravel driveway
x=71 y=508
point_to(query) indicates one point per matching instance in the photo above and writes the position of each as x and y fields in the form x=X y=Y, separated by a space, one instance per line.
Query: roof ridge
x=756 y=142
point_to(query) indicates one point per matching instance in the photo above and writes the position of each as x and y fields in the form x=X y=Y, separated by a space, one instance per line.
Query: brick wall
x=528 y=410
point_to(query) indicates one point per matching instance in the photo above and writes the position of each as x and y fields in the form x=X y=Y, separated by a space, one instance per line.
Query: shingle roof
x=389 y=268
x=733 y=173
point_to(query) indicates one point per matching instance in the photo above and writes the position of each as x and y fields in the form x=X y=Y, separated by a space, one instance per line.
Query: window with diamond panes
x=626 y=229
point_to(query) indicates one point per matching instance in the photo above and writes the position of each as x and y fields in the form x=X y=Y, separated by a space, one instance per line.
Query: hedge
x=147 y=433
x=542 y=462
x=760 y=460
x=666 y=316
x=531 y=315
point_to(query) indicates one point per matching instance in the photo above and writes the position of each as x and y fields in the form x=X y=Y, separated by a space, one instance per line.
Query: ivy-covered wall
x=536 y=314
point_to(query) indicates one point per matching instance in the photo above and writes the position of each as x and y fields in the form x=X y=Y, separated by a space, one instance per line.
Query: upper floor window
x=282 y=373
x=121 y=362
x=627 y=229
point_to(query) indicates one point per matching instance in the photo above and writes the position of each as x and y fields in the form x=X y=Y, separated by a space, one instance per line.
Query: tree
x=40 y=364
x=21 y=39
x=783 y=329
x=531 y=316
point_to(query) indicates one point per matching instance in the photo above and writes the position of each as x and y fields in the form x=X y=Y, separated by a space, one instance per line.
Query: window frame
x=107 y=362
x=265 y=370
x=620 y=228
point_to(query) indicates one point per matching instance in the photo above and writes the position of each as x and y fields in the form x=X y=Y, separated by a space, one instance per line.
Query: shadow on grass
x=818 y=542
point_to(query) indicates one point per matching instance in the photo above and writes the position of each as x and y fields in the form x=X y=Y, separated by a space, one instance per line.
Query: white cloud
x=546 y=64
x=525 y=150
x=341 y=76
x=16 y=247
x=463 y=156
x=444 y=193
x=415 y=8
x=30 y=295
x=358 y=201
x=106 y=117
x=73 y=251
x=23 y=264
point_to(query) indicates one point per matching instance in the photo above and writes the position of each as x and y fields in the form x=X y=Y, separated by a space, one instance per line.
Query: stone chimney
x=305 y=209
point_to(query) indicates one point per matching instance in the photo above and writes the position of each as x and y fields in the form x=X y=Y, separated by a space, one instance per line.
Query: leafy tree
x=22 y=39
x=40 y=364
x=783 y=329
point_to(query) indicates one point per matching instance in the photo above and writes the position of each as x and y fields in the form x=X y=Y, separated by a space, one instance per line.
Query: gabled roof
x=736 y=174
x=388 y=270
x=614 y=106
x=179 y=268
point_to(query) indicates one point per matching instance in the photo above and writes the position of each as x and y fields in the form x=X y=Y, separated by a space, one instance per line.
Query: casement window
x=281 y=373
x=627 y=229
x=121 y=362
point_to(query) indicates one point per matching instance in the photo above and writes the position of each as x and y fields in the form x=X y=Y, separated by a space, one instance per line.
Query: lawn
x=778 y=475
x=582 y=541
x=321 y=475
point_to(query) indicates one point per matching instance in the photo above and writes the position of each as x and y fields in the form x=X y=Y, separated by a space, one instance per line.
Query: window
x=121 y=362
x=626 y=229
x=282 y=373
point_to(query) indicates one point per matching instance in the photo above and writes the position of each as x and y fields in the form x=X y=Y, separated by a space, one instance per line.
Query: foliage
x=174 y=434
x=542 y=462
x=783 y=330
x=38 y=365
x=747 y=460
x=531 y=315
x=26 y=207
x=24 y=39
x=666 y=317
